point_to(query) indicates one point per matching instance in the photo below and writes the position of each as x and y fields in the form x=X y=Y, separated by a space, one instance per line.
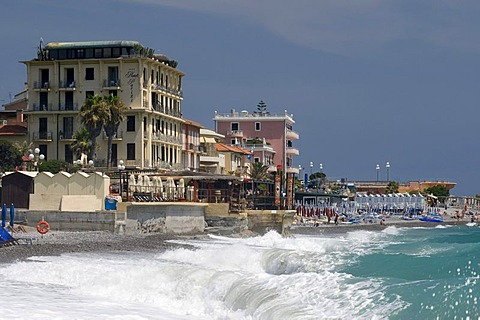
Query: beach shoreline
x=55 y=243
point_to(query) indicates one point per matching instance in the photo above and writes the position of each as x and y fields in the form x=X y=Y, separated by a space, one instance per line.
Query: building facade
x=268 y=136
x=64 y=74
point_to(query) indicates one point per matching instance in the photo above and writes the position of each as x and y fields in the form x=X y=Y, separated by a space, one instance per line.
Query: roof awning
x=209 y=140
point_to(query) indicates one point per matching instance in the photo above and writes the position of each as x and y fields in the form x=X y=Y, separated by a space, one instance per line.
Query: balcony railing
x=117 y=136
x=159 y=87
x=38 y=85
x=293 y=170
x=111 y=83
x=41 y=107
x=235 y=133
x=67 y=85
x=68 y=106
x=292 y=135
x=164 y=138
x=68 y=135
x=291 y=150
x=42 y=135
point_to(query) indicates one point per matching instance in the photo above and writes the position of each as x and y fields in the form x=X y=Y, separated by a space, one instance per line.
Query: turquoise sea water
x=398 y=273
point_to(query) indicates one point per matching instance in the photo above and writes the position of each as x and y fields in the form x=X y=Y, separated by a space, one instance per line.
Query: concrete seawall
x=166 y=218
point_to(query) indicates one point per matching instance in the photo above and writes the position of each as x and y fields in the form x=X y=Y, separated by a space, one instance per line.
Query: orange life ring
x=43 y=227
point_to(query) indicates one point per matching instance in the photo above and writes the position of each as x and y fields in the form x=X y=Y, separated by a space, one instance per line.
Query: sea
x=397 y=273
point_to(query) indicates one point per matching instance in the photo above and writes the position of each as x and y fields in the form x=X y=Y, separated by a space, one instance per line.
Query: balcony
x=292 y=135
x=41 y=86
x=67 y=86
x=111 y=84
x=159 y=87
x=157 y=136
x=292 y=151
x=235 y=134
x=293 y=170
x=42 y=136
x=66 y=135
x=68 y=106
x=41 y=107
x=116 y=137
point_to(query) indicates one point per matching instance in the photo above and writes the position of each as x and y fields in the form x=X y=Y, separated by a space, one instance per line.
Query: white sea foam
x=267 y=277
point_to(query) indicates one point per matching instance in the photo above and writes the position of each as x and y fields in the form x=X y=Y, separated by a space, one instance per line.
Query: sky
x=367 y=82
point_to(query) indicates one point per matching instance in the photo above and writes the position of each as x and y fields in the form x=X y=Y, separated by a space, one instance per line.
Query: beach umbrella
x=161 y=190
x=12 y=215
x=131 y=183
x=4 y=215
x=147 y=184
x=181 y=188
x=140 y=183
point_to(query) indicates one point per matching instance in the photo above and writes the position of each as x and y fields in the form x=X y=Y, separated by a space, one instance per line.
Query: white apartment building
x=64 y=73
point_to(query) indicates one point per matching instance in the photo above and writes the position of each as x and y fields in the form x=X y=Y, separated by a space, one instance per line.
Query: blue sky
x=367 y=81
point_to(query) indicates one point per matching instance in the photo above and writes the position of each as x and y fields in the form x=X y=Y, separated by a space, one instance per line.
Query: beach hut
x=17 y=187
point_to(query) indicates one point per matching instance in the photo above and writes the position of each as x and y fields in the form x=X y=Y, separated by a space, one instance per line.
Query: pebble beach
x=54 y=242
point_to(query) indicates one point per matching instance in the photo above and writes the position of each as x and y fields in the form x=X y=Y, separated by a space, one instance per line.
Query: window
x=107 y=52
x=130 y=123
x=67 y=127
x=68 y=154
x=234 y=126
x=256 y=159
x=69 y=100
x=98 y=52
x=113 y=76
x=116 y=52
x=112 y=93
x=233 y=141
x=258 y=126
x=43 y=101
x=80 y=53
x=89 y=53
x=89 y=73
x=130 y=151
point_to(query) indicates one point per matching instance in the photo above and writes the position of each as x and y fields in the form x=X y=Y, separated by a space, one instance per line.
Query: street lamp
x=36 y=157
x=120 y=166
x=90 y=163
x=311 y=167
x=388 y=170
x=321 y=167
x=378 y=170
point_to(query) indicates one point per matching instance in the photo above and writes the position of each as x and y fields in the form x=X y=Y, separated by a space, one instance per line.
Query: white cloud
x=351 y=27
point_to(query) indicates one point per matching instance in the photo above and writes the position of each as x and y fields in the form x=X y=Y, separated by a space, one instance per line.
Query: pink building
x=269 y=136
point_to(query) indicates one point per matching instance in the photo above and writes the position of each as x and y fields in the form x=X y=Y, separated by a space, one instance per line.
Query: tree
x=259 y=171
x=116 y=111
x=262 y=108
x=82 y=143
x=94 y=114
x=392 y=187
x=53 y=166
x=10 y=157
x=439 y=191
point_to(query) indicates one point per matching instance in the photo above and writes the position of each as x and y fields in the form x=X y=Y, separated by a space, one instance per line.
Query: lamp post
x=388 y=170
x=378 y=170
x=311 y=168
x=36 y=158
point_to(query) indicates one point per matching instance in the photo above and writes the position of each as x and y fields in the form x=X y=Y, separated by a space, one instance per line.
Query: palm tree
x=82 y=143
x=259 y=171
x=116 y=110
x=94 y=114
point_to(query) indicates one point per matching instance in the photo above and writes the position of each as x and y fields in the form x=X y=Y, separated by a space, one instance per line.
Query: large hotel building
x=64 y=73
